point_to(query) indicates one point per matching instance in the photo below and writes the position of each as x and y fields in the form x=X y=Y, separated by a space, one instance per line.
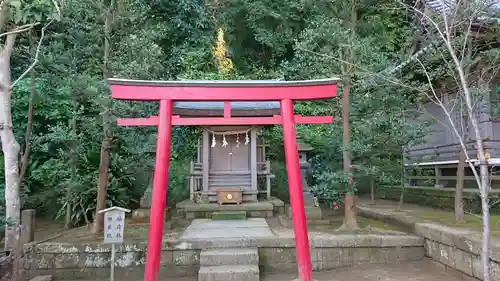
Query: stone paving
x=424 y=270
x=209 y=229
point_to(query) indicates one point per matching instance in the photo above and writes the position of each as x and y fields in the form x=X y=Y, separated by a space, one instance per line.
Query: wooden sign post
x=114 y=224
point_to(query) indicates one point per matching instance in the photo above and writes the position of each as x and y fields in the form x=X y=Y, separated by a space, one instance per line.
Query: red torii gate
x=167 y=92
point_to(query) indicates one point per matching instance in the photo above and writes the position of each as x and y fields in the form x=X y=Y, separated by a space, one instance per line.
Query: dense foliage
x=173 y=39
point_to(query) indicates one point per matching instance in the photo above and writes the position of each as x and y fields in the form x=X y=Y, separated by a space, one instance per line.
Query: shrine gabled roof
x=258 y=105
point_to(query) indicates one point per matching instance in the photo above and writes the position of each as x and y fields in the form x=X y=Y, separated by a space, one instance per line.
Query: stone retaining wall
x=262 y=209
x=5 y=267
x=436 y=197
x=457 y=250
x=181 y=258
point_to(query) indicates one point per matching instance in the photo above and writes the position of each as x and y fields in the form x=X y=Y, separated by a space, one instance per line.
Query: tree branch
x=454 y=128
x=27 y=134
x=20 y=29
x=37 y=54
x=382 y=76
x=4 y=14
x=29 y=126
x=57 y=7
x=9 y=45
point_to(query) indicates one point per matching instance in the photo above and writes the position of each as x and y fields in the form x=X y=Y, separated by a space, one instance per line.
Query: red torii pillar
x=159 y=194
x=168 y=91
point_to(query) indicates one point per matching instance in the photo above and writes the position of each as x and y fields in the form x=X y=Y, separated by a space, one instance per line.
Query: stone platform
x=456 y=249
x=262 y=209
x=207 y=229
x=181 y=256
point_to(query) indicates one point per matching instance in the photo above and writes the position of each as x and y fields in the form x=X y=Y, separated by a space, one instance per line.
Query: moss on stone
x=235 y=215
x=470 y=221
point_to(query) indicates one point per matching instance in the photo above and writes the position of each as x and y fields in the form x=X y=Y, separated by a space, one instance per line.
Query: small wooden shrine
x=229 y=157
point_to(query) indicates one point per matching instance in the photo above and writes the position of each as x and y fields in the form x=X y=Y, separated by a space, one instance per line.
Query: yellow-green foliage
x=219 y=51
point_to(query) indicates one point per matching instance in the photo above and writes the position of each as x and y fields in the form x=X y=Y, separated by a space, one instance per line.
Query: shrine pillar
x=295 y=188
x=159 y=197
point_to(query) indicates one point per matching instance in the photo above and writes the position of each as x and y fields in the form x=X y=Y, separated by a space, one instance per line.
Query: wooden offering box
x=229 y=195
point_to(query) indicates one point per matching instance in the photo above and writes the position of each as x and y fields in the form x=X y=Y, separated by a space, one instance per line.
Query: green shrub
x=331 y=187
x=177 y=181
x=279 y=187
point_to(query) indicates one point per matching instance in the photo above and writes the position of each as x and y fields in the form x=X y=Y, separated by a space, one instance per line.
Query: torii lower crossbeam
x=169 y=91
x=176 y=120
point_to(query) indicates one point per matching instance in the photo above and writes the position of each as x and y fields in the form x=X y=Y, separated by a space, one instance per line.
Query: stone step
x=230 y=177
x=230 y=256
x=229 y=215
x=239 y=184
x=230 y=174
x=229 y=273
x=42 y=278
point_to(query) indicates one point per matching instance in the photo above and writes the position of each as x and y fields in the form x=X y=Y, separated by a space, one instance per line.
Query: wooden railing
x=445 y=181
x=467 y=178
x=195 y=178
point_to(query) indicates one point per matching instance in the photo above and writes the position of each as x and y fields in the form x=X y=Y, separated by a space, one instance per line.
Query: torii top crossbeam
x=223 y=91
x=217 y=90
x=168 y=92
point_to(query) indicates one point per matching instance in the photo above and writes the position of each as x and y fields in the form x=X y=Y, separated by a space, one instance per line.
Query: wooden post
x=199 y=151
x=28 y=226
x=268 y=179
x=206 y=159
x=437 y=170
x=112 y=273
x=253 y=158
x=191 y=181
x=159 y=197
x=295 y=187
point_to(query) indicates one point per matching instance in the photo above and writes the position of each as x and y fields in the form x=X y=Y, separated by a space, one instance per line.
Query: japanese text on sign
x=114 y=222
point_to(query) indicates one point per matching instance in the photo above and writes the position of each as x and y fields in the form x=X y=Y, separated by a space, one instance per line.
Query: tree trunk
x=10 y=149
x=73 y=165
x=401 y=196
x=348 y=54
x=103 y=186
x=459 y=190
x=102 y=189
x=483 y=178
x=372 y=190
x=29 y=125
x=350 y=221
x=485 y=257
x=27 y=135
x=67 y=218
x=401 y=199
